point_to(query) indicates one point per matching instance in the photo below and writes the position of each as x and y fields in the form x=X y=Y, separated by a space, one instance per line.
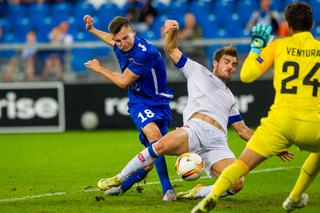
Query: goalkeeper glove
x=260 y=35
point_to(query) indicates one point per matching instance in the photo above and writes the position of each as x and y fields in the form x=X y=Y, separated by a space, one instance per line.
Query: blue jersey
x=145 y=60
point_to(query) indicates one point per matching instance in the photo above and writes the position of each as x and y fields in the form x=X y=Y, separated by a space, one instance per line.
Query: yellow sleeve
x=255 y=65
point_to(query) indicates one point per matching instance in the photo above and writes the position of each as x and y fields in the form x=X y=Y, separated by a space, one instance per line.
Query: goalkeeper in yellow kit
x=294 y=118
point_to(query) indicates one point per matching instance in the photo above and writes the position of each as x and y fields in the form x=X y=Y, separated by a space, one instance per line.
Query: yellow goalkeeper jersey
x=296 y=79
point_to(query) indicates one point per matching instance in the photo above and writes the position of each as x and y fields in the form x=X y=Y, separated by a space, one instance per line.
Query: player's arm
x=242 y=130
x=171 y=40
x=261 y=56
x=103 y=36
x=255 y=65
x=122 y=80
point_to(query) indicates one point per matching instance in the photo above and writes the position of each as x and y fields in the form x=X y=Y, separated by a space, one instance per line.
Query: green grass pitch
x=58 y=173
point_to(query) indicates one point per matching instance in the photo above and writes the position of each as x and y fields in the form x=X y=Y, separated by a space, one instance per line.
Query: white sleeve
x=234 y=115
x=188 y=67
x=234 y=110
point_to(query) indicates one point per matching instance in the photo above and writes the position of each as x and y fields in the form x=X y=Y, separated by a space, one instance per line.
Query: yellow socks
x=229 y=177
x=308 y=172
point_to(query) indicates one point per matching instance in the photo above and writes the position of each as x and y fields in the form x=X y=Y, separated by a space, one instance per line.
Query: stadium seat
x=3 y=9
x=277 y=5
x=210 y=26
x=244 y=48
x=43 y=29
x=245 y=8
x=108 y=11
x=8 y=38
x=233 y=26
x=315 y=4
x=60 y=12
x=223 y=7
x=130 y=4
x=200 y=9
x=161 y=8
x=316 y=31
x=22 y=27
x=75 y=25
x=82 y=9
x=16 y=11
x=79 y=55
x=100 y=23
x=38 y=12
x=177 y=9
x=157 y=24
x=150 y=35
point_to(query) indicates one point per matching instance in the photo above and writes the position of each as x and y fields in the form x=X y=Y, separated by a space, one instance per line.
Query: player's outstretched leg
x=140 y=161
x=128 y=183
x=289 y=205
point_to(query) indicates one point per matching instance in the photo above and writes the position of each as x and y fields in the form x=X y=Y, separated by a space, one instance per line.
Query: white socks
x=140 y=161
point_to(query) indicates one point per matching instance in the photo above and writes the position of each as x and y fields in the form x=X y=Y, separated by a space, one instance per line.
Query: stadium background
x=81 y=99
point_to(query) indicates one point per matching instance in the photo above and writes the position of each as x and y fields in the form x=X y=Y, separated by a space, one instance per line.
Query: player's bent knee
x=161 y=147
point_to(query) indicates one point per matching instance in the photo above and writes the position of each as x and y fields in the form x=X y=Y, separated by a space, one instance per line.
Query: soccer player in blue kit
x=144 y=74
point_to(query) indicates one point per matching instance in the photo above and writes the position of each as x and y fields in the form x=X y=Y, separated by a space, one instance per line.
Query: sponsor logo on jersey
x=141 y=158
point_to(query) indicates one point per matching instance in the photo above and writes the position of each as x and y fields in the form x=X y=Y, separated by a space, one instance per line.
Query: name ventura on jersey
x=303 y=52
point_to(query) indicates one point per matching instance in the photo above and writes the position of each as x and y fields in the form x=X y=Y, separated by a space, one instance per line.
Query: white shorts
x=208 y=141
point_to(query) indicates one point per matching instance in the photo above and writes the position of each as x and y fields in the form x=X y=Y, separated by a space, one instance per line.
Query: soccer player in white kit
x=211 y=106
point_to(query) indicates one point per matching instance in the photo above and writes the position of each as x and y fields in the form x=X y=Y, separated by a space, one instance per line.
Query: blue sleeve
x=182 y=61
x=234 y=118
x=141 y=63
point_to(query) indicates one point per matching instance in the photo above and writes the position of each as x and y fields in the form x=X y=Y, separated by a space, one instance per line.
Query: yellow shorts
x=278 y=132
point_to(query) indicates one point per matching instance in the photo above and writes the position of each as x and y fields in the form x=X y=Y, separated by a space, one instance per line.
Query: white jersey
x=207 y=94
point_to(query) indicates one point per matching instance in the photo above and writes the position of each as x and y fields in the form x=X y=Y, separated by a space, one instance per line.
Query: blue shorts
x=142 y=115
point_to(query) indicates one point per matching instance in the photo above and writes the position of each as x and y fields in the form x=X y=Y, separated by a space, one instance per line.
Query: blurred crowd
x=60 y=22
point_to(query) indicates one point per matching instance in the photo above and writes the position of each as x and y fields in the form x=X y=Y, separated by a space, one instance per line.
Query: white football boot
x=169 y=196
x=114 y=191
x=289 y=205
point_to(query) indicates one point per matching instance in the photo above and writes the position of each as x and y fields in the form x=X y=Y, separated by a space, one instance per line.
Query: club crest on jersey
x=133 y=61
x=134 y=86
x=259 y=59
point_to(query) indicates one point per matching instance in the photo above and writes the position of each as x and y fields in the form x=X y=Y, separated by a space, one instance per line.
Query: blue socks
x=135 y=178
x=162 y=171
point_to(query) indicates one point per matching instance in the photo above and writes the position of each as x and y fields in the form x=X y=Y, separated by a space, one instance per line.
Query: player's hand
x=260 y=34
x=89 y=22
x=94 y=65
x=286 y=155
x=170 y=24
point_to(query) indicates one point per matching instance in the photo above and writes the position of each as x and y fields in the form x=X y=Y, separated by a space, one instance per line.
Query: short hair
x=227 y=50
x=117 y=23
x=299 y=16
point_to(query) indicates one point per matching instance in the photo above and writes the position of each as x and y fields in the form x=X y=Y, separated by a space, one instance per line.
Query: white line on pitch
x=28 y=197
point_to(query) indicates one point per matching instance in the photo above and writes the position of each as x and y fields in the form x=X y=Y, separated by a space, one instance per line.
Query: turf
x=58 y=173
